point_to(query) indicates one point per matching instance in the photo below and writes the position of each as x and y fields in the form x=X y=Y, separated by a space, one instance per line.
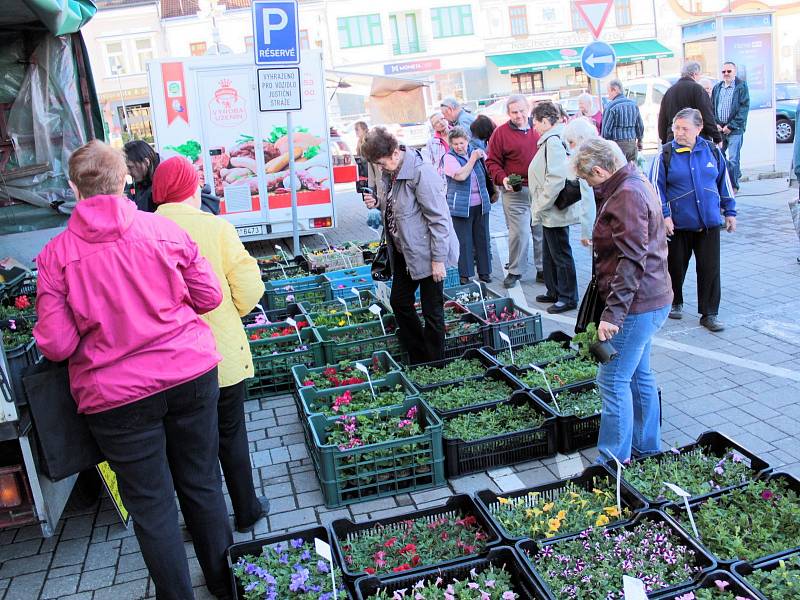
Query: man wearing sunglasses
x=731 y=101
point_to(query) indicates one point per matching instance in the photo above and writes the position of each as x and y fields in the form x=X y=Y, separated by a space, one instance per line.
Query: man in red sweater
x=510 y=151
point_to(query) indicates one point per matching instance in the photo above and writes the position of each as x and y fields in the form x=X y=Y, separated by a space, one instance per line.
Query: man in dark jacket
x=687 y=93
x=731 y=101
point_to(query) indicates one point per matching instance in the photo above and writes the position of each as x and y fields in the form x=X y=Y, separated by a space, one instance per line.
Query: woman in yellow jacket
x=176 y=191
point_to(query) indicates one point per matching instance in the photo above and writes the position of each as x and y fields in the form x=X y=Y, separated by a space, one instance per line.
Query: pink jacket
x=119 y=295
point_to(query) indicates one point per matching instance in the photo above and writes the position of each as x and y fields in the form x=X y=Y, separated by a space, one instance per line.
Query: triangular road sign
x=595 y=13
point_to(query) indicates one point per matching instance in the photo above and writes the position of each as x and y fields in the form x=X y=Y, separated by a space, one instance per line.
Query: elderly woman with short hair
x=587 y=107
x=630 y=263
x=575 y=133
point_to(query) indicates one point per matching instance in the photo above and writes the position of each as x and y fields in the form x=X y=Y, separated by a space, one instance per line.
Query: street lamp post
x=211 y=9
x=117 y=69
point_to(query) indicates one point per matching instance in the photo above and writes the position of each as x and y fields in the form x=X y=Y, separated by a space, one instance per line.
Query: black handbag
x=66 y=445
x=570 y=193
x=381 y=267
x=591 y=307
x=490 y=187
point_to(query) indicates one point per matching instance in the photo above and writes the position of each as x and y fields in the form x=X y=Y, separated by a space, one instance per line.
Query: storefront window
x=527 y=83
x=198 y=48
x=630 y=70
x=450 y=84
x=580 y=80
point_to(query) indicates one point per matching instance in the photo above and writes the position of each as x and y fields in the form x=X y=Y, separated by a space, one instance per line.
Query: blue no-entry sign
x=598 y=59
x=276 y=32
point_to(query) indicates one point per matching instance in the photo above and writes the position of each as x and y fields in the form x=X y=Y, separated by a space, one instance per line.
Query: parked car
x=787 y=96
x=647 y=92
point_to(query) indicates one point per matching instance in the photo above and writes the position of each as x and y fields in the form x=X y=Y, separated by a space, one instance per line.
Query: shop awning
x=558 y=58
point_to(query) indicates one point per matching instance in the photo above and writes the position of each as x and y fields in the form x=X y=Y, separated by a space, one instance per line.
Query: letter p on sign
x=276 y=32
x=271 y=23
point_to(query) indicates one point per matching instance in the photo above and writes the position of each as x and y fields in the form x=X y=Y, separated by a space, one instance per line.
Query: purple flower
x=296 y=543
x=298 y=580
x=322 y=567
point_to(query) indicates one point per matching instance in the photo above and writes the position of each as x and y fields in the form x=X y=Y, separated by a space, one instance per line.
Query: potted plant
x=515 y=181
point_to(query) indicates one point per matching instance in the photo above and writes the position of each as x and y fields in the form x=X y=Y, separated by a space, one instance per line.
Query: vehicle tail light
x=10 y=490
x=322 y=222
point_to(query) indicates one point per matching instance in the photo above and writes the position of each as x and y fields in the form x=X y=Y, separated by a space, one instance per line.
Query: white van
x=647 y=92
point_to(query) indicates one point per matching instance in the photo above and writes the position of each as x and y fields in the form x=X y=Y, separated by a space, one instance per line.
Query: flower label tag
x=324 y=550
x=685 y=495
x=619 y=482
x=354 y=289
x=633 y=588
x=382 y=293
x=549 y=389
x=346 y=311
x=365 y=370
x=507 y=340
x=376 y=310
x=293 y=323
x=283 y=254
x=483 y=300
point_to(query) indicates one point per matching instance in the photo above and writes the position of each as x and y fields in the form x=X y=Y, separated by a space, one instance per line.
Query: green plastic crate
x=312 y=400
x=383 y=358
x=383 y=469
x=273 y=372
x=367 y=299
x=372 y=340
x=522 y=331
x=280 y=292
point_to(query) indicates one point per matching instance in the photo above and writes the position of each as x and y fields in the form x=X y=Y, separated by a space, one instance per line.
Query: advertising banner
x=753 y=57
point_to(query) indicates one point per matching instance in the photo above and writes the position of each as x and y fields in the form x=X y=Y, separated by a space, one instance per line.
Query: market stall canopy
x=370 y=85
x=59 y=16
x=387 y=99
x=558 y=58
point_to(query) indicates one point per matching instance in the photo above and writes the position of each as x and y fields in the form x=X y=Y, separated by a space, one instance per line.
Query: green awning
x=559 y=58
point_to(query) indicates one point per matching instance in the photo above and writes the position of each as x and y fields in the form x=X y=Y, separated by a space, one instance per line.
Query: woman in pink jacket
x=119 y=296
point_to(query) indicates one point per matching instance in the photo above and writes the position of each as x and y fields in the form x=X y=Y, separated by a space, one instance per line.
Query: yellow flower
x=342 y=322
x=548 y=507
x=555 y=524
x=597 y=492
x=562 y=514
x=502 y=500
x=612 y=511
x=601 y=520
x=574 y=495
x=537 y=512
x=529 y=513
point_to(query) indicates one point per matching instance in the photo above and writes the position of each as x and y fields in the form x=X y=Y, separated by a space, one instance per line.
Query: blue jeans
x=631 y=418
x=731 y=148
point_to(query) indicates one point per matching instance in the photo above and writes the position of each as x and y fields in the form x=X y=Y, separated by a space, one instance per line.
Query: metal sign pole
x=293 y=184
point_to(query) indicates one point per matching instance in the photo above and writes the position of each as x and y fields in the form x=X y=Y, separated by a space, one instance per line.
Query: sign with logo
x=174 y=91
x=279 y=89
x=595 y=13
x=413 y=67
x=598 y=60
x=276 y=32
x=227 y=107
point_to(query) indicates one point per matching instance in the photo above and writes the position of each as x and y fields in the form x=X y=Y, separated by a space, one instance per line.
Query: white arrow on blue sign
x=598 y=59
x=276 y=32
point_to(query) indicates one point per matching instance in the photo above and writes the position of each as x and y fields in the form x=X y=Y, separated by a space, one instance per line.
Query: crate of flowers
x=510 y=432
x=343 y=288
x=494 y=386
x=707 y=467
x=345 y=372
x=577 y=407
x=284 y=567
x=277 y=267
x=469 y=365
x=17 y=318
x=258 y=332
x=280 y=292
x=369 y=250
x=555 y=346
x=558 y=374
x=772 y=578
x=561 y=508
x=258 y=316
x=333 y=258
x=591 y=564
x=274 y=357
x=413 y=543
x=756 y=522
x=12 y=279
x=334 y=319
x=356 y=342
x=717 y=585
x=466 y=332
x=351 y=302
x=500 y=575
x=502 y=315
x=469 y=293
x=375 y=453
x=392 y=390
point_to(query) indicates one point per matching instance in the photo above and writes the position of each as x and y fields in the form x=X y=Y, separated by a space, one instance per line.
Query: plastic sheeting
x=46 y=126
x=59 y=16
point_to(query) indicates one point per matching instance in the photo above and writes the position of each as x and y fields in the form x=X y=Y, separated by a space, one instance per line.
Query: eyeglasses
x=727 y=71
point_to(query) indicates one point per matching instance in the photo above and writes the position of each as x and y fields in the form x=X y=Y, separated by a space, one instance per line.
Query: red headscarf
x=175 y=180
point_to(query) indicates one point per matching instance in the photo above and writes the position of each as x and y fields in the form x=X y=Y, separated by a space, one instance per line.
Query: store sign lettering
x=227 y=108
x=412 y=67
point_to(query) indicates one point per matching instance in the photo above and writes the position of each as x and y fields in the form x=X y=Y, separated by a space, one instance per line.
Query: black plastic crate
x=714 y=443
x=254 y=547
x=493 y=373
x=472 y=354
x=521 y=331
x=465 y=457
x=488 y=502
x=574 y=433
x=528 y=548
x=519 y=373
x=19 y=359
x=455 y=344
x=744 y=569
x=459 y=504
x=468 y=293
x=735 y=586
x=502 y=556
x=793 y=484
x=557 y=336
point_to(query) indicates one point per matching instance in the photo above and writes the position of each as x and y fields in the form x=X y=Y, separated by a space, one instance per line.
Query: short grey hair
x=516 y=99
x=450 y=102
x=436 y=113
x=457 y=132
x=579 y=130
x=616 y=83
x=692 y=114
x=597 y=152
x=690 y=68
x=586 y=97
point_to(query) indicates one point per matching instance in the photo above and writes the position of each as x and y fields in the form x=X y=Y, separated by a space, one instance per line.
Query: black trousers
x=705 y=247
x=161 y=444
x=423 y=344
x=559 y=266
x=473 y=241
x=234 y=455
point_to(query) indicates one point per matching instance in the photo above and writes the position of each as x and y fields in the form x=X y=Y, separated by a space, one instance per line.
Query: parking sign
x=276 y=34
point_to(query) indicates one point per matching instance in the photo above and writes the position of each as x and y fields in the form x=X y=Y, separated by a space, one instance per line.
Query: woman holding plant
x=630 y=260
x=176 y=192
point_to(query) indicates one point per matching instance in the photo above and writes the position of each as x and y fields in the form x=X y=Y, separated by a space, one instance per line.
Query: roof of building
x=185 y=8
x=106 y=4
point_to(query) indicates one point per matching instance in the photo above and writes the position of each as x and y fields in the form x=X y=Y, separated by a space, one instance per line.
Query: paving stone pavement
x=744 y=382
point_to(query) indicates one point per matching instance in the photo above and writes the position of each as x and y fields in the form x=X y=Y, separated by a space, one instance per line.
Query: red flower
x=390 y=542
x=254 y=336
x=767 y=495
x=444 y=536
x=308 y=382
x=415 y=560
x=403 y=567
x=330 y=371
x=22 y=302
x=370 y=570
x=408 y=548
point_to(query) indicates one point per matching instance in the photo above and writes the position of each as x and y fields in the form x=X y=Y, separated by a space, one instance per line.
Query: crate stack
x=17 y=318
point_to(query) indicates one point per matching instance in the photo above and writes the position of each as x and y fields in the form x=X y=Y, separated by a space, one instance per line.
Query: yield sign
x=594 y=13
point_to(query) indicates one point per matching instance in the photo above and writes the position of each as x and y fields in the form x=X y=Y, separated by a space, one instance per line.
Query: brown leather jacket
x=630 y=246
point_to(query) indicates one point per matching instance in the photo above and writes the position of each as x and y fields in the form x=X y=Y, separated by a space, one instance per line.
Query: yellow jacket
x=239 y=277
